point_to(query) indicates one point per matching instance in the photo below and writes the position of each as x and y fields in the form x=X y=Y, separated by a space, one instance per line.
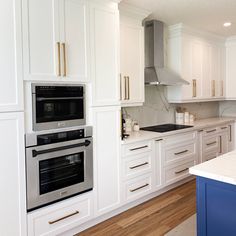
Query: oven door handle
x=36 y=153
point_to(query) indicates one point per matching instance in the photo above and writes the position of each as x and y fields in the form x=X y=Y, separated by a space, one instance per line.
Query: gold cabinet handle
x=230 y=133
x=59 y=59
x=220 y=144
x=209 y=144
x=121 y=92
x=213 y=88
x=128 y=96
x=222 y=88
x=179 y=153
x=134 y=167
x=181 y=171
x=64 y=59
x=137 y=148
x=210 y=131
x=194 y=88
x=136 y=189
x=63 y=218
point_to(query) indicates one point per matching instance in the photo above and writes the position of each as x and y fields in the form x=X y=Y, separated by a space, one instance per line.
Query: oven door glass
x=60 y=172
x=59 y=109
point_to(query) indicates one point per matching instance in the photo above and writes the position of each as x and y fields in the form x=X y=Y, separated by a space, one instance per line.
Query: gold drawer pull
x=209 y=144
x=181 y=171
x=178 y=153
x=59 y=59
x=133 y=149
x=63 y=218
x=224 y=127
x=213 y=88
x=158 y=140
x=134 y=167
x=128 y=88
x=143 y=186
x=210 y=131
x=64 y=59
x=194 y=88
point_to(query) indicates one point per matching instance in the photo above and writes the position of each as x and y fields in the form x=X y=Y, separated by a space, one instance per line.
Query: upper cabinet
x=55 y=40
x=200 y=59
x=131 y=55
x=11 y=82
x=104 y=31
x=231 y=68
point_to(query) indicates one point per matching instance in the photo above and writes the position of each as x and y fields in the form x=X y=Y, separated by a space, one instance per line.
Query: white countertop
x=222 y=168
x=198 y=124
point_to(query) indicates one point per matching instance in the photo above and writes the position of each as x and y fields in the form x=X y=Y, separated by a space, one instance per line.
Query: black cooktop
x=165 y=127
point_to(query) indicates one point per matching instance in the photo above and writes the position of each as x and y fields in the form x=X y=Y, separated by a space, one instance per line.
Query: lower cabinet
x=106 y=123
x=12 y=175
x=60 y=217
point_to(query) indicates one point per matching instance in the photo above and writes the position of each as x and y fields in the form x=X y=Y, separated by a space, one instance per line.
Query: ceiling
x=206 y=15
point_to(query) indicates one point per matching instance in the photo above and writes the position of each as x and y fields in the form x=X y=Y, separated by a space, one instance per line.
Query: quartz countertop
x=222 y=168
x=197 y=125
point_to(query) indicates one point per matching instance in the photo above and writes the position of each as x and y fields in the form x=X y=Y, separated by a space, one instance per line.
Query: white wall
x=157 y=110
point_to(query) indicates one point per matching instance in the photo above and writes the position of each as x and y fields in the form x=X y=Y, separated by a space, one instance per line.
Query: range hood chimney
x=155 y=71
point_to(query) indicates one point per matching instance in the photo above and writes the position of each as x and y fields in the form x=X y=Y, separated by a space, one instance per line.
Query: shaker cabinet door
x=74 y=39
x=11 y=82
x=41 y=46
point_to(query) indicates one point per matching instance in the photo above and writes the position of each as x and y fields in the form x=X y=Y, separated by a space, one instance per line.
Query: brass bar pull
x=213 y=88
x=143 y=186
x=194 y=88
x=121 y=92
x=137 y=148
x=230 y=133
x=158 y=140
x=179 y=153
x=126 y=98
x=220 y=144
x=181 y=171
x=209 y=144
x=63 y=218
x=224 y=127
x=59 y=59
x=210 y=131
x=64 y=59
x=128 y=88
x=134 y=167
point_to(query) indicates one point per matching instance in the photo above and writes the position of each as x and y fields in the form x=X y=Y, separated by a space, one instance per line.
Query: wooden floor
x=153 y=218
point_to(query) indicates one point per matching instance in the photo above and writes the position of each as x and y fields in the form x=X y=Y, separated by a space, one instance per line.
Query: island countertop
x=222 y=168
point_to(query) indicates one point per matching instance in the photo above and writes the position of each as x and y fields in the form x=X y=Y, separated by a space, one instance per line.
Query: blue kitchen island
x=216 y=196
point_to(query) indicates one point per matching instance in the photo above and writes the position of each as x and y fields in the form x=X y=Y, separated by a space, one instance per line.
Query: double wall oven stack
x=59 y=153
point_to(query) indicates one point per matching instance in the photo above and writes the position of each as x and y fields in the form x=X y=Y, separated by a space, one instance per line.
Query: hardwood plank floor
x=153 y=218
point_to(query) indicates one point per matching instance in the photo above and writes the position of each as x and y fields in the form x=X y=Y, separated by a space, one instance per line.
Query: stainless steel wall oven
x=57 y=106
x=58 y=165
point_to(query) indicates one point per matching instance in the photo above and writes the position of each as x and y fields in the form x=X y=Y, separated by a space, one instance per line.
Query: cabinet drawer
x=180 y=138
x=53 y=221
x=174 y=174
x=137 y=187
x=210 y=144
x=136 y=148
x=180 y=152
x=209 y=156
x=136 y=165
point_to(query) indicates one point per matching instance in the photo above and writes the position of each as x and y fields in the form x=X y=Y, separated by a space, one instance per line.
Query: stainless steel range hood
x=155 y=71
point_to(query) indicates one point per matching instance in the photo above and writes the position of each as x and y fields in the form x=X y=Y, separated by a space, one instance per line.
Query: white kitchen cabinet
x=104 y=32
x=131 y=59
x=230 y=68
x=231 y=137
x=200 y=59
x=11 y=85
x=12 y=175
x=55 y=40
x=106 y=123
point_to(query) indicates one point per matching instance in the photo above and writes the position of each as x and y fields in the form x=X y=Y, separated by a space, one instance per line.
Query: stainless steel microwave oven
x=57 y=106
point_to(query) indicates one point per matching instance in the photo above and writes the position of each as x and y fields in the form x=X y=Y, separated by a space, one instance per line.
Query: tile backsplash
x=156 y=109
x=227 y=108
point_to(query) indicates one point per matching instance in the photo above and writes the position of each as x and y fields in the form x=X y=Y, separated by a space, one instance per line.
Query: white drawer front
x=180 y=138
x=180 y=152
x=136 y=165
x=59 y=220
x=210 y=144
x=136 y=148
x=137 y=187
x=174 y=174
x=209 y=156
